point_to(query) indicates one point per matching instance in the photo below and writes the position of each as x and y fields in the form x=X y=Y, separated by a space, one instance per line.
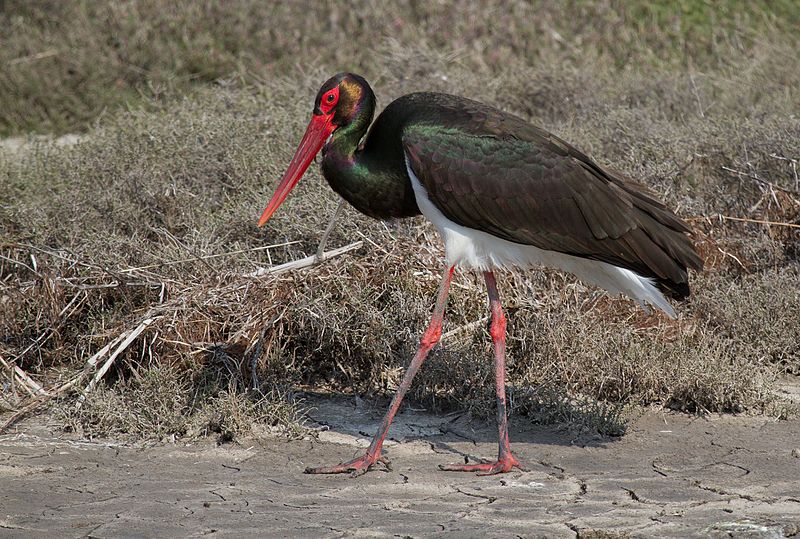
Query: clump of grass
x=152 y=406
x=164 y=403
x=755 y=314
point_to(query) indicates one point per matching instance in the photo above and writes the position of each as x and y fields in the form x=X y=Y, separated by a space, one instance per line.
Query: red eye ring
x=329 y=100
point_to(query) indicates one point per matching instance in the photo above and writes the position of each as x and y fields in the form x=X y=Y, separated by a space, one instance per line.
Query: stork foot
x=502 y=465
x=357 y=466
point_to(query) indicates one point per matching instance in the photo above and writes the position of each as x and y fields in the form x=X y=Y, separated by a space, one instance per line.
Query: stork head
x=342 y=101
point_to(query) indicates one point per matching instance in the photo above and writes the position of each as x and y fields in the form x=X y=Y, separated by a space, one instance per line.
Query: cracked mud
x=669 y=476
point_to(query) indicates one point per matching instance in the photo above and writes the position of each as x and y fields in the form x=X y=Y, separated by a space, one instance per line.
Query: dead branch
x=304 y=262
x=761 y=180
x=110 y=361
x=208 y=257
x=466 y=327
x=43 y=396
x=22 y=412
x=22 y=377
x=719 y=216
x=33 y=57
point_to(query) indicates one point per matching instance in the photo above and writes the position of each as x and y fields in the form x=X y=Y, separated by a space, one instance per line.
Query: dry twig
x=304 y=262
x=110 y=361
x=16 y=373
x=43 y=396
x=208 y=257
x=719 y=216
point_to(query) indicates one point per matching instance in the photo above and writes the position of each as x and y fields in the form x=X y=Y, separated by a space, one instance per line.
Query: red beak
x=317 y=132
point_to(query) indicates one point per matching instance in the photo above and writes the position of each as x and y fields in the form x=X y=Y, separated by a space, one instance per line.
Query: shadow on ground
x=352 y=421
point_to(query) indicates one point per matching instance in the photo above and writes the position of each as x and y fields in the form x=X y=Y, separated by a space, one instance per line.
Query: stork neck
x=342 y=148
x=372 y=178
x=341 y=155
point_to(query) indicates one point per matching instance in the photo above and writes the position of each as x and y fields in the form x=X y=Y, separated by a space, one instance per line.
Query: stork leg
x=361 y=465
x=505 y=460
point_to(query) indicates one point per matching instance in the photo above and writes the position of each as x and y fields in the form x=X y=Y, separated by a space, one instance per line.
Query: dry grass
x=152 y=216
x=64 y=63
x=167 y=403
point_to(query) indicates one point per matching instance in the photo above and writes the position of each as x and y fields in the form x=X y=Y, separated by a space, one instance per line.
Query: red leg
x=362 y=464
x=505 y=460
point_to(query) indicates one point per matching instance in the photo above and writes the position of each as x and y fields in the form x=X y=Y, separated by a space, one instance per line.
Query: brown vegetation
x=152 y=215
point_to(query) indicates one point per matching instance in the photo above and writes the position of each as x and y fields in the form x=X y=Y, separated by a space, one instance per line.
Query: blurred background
x=66 y=63
x=141 y=139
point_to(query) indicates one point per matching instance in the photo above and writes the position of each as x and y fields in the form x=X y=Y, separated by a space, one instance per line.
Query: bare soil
x=671 y=475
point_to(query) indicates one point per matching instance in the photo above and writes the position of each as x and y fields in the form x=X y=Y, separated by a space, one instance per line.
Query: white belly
x=470 y=248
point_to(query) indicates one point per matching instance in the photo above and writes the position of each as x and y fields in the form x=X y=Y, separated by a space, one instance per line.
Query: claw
x=503 y=465
x=356 y=467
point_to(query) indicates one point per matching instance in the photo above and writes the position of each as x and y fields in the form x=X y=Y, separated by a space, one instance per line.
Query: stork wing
x=531 y=187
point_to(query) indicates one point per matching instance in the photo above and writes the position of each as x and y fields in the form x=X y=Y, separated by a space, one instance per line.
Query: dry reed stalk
x=304 y=262
x=43 y=396
x=22 y=377
x=131 y=336
x=719 y=216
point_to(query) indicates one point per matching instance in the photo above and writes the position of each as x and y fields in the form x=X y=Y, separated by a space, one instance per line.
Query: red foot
x=486 y=468
x=357 y=466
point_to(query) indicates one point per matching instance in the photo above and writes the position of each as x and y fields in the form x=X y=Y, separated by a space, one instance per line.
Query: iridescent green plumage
x=372 y=179
x=488 y=170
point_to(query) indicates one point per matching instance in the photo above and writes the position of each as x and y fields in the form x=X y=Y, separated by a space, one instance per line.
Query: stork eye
x=328 y=100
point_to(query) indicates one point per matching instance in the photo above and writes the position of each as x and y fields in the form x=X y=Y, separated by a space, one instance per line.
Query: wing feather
x=532 y=188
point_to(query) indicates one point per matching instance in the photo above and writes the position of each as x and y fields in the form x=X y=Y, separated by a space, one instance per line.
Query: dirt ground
x=671 y=475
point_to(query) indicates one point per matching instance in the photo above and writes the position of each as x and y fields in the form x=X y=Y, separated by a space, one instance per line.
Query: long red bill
x=317 y=132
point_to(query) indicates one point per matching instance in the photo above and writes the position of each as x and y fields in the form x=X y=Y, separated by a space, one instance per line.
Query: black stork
x=502 y=193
